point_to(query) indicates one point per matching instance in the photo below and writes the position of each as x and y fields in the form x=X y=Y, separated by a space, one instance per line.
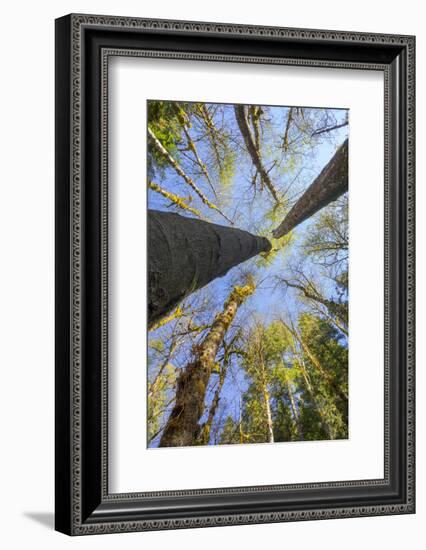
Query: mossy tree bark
x=267 y=402
x=182 y=428
x=178 y=169
x=184 y=254
x=327 y=187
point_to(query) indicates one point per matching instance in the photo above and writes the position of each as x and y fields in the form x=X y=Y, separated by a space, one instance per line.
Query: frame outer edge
x=77 y=22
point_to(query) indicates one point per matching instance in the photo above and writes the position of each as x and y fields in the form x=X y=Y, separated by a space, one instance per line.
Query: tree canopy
x=258 y=353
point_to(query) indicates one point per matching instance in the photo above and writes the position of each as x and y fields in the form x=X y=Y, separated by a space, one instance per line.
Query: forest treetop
x=247 y=167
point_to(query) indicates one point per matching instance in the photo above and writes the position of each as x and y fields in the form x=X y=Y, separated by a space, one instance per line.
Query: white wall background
x=26 y=288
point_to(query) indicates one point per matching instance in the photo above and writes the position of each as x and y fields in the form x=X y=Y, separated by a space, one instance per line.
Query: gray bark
x=185 y=254
x=327 y=187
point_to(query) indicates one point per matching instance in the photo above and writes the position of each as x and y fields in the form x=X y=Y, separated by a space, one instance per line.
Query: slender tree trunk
x=254 y=117
x=270 y=424
x=206 y=429
x=184 y=254
x=240 y=423
x=333 y=320
x=240 y=115
x=166 y=361
x=174 y=199
x=179 y=170
x=287 y=128
x=327 y=187
x=198 y=160
x=266 y=399
x=326 y=426
x=182 y=428
x=336 y=309
x=294 y=410
x=212 y=132
x=314 y=360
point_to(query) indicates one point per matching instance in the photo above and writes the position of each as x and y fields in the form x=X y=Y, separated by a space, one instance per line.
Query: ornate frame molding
x=72 y=47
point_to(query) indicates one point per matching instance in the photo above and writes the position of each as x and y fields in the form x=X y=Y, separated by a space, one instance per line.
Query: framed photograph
x=234 y=274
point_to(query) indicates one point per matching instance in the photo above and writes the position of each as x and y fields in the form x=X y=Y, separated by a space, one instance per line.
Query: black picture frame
x=83 y=45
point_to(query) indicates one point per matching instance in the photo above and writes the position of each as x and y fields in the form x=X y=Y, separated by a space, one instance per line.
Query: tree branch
x=240 y=115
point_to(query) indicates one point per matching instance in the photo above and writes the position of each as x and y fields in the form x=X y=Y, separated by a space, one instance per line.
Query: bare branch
x=175 y=199
x=178 y=169
x=329 y=129
x=240 y=115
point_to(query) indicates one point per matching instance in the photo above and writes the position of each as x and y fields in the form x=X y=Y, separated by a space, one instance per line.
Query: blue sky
x=237 y=202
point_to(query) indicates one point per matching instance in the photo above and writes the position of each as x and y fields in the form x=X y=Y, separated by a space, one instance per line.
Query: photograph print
x=248 y=274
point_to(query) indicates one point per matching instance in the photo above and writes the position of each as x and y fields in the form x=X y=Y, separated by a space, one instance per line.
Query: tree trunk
x=206 y=428
x=270 y=425
x=287 y=129
x=326 y=426
x=178 y=169
x=240 y=115
x=327 y=187
x=294 y=410
x=266 y=398
x=198 y=160
x=316 y=363
x=184 y=254
x=177 y=201
x=182 y=428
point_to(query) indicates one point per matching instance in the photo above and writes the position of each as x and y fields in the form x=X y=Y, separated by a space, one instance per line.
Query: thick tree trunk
x=184 y=254
x=269 y=423
x=182 y=428
x=327 y=187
